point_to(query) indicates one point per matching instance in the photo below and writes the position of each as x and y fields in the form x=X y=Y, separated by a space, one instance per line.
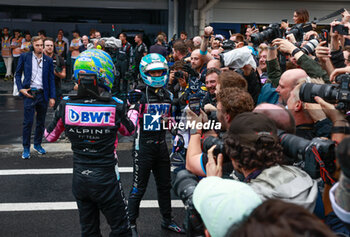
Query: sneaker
x=171 y=225
x=134 y=231
x=39 y=149
x=26 y=153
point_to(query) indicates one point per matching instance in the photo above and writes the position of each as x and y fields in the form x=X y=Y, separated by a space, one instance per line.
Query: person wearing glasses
x=37 y=90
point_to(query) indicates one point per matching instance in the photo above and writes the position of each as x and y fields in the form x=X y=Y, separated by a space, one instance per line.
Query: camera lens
x=310 y=46
x=271 y=33
x=308 y=91
x=184 y=185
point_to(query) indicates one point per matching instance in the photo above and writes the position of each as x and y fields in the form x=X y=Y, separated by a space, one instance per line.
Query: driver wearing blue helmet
x=150 y=151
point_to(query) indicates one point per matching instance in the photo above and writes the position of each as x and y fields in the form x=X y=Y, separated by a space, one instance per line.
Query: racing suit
x=124 y=61
x=92 y=126
x=150 y=152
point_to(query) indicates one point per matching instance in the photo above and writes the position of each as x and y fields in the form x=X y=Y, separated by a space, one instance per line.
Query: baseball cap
x=249 y=127
x=219 y=37
x=223 y=202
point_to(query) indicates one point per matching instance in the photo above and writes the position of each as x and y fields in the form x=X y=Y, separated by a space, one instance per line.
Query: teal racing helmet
x=154 y=62
x=96 y=61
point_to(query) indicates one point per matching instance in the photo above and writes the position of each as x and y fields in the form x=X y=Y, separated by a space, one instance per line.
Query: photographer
x=312 y=68
x=230 y=103
x=177 y=79
x=331 y=57
x=222 y=203
x=310 y=120
x=301 y=16
x=253 y=147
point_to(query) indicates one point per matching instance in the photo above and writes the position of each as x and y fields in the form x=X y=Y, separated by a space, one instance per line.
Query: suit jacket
x=25 y=66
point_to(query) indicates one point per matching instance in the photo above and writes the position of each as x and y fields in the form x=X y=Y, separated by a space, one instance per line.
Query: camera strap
x=336 y=13
x=325 y=175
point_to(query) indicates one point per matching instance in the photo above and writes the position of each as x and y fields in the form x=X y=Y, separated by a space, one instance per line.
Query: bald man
x=197 y=40
x=215 y=53
x=283 y=118
x=199 y=64
x=214 y=63
x=289 y=79
x=197 y=61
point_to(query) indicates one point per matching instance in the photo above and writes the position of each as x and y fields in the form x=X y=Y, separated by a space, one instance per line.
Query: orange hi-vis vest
x=6 y=47
x=17 y=42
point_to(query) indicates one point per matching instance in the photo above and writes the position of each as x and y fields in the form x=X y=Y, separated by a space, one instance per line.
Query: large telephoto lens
x=310 y=46
x=308 y=91
x=185 y=184
x=293 y=146
x=271 y=33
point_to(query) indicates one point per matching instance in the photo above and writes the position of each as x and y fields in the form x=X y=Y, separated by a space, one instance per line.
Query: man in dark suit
x=37 y=90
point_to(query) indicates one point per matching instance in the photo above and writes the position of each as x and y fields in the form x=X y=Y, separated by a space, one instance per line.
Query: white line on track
x=54 y=206
x=52 y=171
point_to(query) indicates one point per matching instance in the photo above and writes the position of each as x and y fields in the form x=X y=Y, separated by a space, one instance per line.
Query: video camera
x=332 y=93
x=184 y=186
x=316 y=157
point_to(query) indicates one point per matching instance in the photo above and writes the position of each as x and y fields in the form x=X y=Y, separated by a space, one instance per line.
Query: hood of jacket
x=287 y=183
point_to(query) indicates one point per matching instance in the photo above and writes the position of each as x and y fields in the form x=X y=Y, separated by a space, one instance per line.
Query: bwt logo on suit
x=89 y=117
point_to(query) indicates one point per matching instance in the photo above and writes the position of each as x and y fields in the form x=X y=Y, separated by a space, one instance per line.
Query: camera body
x=341 y=29
x=298 y=31
x=178 y=74
x=220 y=148
x=334 y=93
x=272 y=32
x=313 y=156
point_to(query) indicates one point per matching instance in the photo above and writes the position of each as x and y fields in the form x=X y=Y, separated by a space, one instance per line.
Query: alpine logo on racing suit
x=90 y=115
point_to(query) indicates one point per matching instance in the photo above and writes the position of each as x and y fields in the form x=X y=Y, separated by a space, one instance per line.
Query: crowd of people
x=265 y=130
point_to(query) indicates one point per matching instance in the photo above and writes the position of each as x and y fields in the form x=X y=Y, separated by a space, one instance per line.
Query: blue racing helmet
x=154 y=62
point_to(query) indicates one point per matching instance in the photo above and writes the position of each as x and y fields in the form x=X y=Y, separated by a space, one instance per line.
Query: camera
x=298 y=31
x=272 y=32
x=184 y=186
x=341 y=29
x=211 y=141
x=335 y=93
x=316 y=157
x=310 y=46
x=195 y=105
x=178 y=74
